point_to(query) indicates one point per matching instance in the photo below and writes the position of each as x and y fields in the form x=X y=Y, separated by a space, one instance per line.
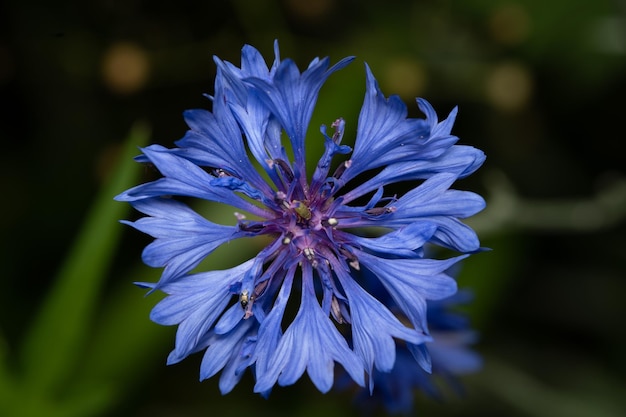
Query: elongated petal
x=383 y=127
x=453 y=234
x=374 y=327
x=195 y=303
x=270 y=333
x=291 y=96
x=320 y=346
x=183 y=238
x=401 y=242
x=433 y=202
x=459 y=160
x=182 y=177
x=413 y=281
x=227 y=352
x=253 y=117
x=433 y=198
x=216 y=136
x=451 y=353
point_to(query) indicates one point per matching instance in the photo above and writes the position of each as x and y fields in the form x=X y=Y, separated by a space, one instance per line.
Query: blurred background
x=540 y=87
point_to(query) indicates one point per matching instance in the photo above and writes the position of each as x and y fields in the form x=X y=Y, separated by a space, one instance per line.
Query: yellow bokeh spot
x=509 y=86
x=125 y=68
x=405 y=77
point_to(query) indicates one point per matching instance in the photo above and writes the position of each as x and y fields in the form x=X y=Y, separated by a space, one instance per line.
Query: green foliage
x=54 y=345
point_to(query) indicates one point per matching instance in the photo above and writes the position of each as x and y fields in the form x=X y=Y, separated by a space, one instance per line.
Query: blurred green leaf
x=58 y=333
x=124 y=344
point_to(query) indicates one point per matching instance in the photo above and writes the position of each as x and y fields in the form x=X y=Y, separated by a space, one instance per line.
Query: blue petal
x=225 y=352
x=453 y=234
x=385 y=135
x=433 y=198
x=270 y=333
x=216 y=138
x=194 y=303
x=320 y=345
x=401 y=242
x=254 y=119
x=252 y=116
x=432 y=201
x=437 y=130
x=421 y=355
x=229 y=319
x=459 y=160
x=183 y=238
x=252 y=65
x=412 y=281
x=291 y=97
x=373 y=327
x=450 y=352
x=186 y=179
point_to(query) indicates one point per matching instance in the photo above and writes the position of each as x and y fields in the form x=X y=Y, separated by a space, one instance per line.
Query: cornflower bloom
x=237 y=315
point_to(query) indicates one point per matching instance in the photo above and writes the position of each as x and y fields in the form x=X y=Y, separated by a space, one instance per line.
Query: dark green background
x=540 y=86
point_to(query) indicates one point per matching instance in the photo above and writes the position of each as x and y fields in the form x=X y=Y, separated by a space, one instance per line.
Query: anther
x=309 y=253
x=251 y=227
x=355 y=264
x=327 y=203
x=352 y=260
x=338 y=126
x=336 y=310
x=285 y=169
x=331 y=221
x=220 y=173
x=341 y=168
x=377 y=211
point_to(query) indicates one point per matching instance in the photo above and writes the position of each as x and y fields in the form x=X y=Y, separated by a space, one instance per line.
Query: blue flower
x=249 y=152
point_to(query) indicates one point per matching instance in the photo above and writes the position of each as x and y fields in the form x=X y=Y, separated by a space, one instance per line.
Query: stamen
x=285 y=169
x=342 y=168
x=338 y=125
x=251 y=227
x=352 y=260
x=336 y=310
x=309 y=253
x=281 y=199
x=355 y=264
x=331 y=221
x=259 y=289
x=220 y=173
x=327 y=203
x=377 y=211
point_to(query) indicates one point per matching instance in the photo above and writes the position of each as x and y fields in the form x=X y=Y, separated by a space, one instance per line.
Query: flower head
x=249 y=152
